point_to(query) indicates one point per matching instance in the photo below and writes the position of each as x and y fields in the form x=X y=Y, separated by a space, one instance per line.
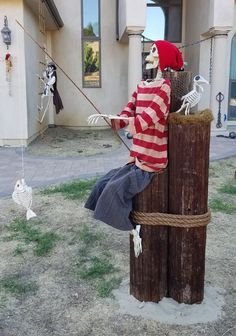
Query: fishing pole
x=71 y=80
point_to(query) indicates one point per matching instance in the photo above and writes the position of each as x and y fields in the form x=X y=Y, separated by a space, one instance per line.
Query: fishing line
x=22 y=162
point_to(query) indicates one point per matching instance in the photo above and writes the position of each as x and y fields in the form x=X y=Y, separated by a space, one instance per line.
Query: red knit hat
x=169 y=55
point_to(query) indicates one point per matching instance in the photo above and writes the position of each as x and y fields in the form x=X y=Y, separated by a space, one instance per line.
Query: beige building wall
x=66 y=44
x=18 y=111
x=13 y=108
x=19 y=116
x=196 y=23
x=210 y=58
x=33 y=56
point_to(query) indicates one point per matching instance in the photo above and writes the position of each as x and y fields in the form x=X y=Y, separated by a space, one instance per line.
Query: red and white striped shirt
x=148 y=110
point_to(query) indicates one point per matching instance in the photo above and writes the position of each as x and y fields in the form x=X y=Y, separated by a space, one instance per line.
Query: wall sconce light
x=6 y=33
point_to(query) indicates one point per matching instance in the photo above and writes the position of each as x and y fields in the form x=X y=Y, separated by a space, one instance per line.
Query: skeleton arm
x=93 y=119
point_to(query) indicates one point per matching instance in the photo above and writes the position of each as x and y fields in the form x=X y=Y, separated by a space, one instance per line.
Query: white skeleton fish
x=22 y=195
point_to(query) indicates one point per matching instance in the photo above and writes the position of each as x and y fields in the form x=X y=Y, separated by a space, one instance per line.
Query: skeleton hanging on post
x=49 y=80
x=146 y=117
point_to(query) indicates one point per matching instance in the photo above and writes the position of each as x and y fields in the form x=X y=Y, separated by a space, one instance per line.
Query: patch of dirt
x=67 y=305
x=69 y=142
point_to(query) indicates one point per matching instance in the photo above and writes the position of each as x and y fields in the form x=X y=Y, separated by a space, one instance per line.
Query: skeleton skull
x=152 y=60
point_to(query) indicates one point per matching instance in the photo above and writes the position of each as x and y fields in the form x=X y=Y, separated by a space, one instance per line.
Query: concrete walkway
x=43 y=171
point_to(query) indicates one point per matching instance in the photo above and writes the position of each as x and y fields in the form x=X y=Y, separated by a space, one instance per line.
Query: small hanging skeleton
x=49 y=81
x=22 y=195
x=192 y=98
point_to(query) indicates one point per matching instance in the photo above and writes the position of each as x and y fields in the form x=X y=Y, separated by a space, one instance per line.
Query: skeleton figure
x=49 y=80
x=146 y=117
x=192 y=98
x=22 y=195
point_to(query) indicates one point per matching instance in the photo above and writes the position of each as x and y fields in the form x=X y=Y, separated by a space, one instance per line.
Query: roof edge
x=54 y=12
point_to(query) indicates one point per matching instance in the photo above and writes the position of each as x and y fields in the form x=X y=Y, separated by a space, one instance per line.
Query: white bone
x=93 y=119
x=137 y=240
x=192 y=98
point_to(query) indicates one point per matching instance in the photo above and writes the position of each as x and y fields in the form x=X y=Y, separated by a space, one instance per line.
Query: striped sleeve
x=129 y=110
x=153 y=112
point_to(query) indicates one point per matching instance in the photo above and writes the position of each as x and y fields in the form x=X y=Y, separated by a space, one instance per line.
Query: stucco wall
x=127 y=19
x=196 y=23
x=66 y=44
x=33 y=55
x=221 y=13
x=204 y=18
x=13 y=125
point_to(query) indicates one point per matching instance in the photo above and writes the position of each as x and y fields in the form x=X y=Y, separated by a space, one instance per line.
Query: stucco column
x=135 y=60
x=219 y=80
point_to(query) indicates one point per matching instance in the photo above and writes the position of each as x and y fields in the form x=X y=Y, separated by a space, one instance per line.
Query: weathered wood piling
x=148 y=272
x=189 y=139
x=173 y=259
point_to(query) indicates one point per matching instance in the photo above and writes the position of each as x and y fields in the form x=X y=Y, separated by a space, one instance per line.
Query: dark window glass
x=233 y=59
x=232 y=82
x=173 y=23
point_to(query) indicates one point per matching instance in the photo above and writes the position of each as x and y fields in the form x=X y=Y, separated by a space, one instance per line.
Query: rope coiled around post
x=158 y=218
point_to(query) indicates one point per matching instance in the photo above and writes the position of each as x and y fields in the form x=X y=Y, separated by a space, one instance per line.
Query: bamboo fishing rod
x=71 y=80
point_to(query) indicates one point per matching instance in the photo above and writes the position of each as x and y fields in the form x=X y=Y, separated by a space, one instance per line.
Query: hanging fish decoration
x=22 y=195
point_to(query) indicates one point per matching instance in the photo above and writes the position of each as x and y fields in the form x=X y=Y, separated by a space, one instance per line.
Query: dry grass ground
x=57 y=271
x=69 y=142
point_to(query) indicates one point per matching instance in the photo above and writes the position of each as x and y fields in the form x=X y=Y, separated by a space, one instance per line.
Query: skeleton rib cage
x=192 y=98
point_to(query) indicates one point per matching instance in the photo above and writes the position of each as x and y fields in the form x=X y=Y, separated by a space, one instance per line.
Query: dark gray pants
x=111 y=197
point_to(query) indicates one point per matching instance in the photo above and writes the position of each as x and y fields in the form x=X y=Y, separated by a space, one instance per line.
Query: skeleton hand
x=46 y=90
x=93 y=119
x=137 y=240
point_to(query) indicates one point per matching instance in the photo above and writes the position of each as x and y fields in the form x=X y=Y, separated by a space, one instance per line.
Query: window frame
x=85 y=39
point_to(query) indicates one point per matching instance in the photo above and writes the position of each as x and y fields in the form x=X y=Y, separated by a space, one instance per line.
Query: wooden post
x=148 y=272
x=189 y=140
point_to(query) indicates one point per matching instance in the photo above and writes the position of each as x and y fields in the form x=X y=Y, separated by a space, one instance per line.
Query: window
x=232 y=82
x=91 y=53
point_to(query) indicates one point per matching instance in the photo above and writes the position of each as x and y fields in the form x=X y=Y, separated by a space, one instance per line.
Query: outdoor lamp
x=6 y=33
